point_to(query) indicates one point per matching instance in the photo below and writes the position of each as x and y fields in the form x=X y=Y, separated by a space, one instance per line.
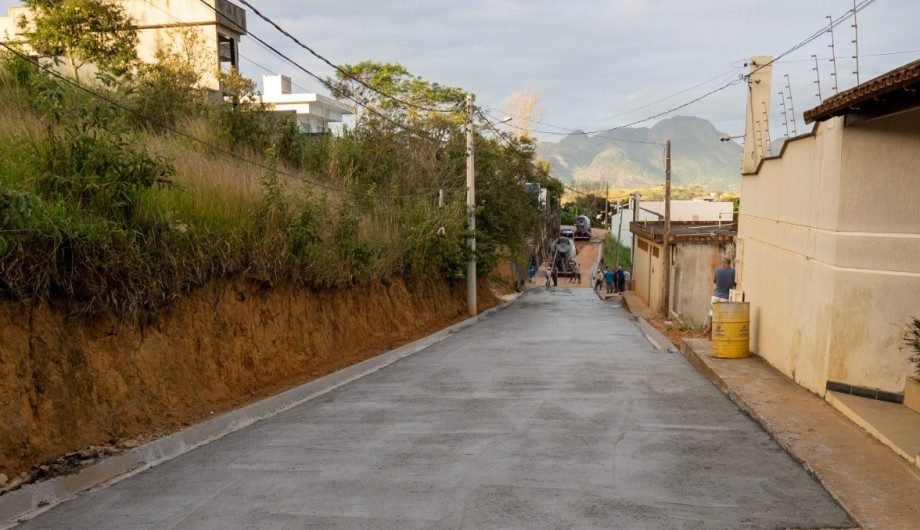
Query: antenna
x=795 y=131
x=817 y=78
x=782 y=103
x=830 y=29
x=855 y=27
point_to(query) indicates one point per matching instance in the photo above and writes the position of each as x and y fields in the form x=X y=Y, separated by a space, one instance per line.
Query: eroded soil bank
x=66 y=384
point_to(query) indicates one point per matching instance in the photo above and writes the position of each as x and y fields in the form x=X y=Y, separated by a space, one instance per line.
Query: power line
x=152 y=4
x=718 y=77
x=883 y=54
x=337 y=67
x=219 y=149
x=833 y=23
x=420 y=134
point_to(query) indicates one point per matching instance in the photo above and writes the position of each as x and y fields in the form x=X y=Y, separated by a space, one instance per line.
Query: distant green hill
x=697 y=156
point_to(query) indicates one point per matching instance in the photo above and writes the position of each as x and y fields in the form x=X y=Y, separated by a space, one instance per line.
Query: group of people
x=552 y=275
x=615 y=280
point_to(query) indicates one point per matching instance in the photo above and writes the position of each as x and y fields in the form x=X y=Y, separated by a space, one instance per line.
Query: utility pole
x=666 y=283
x=607 y=203
x=634 y=207
x=619 y=231
x=471 y=302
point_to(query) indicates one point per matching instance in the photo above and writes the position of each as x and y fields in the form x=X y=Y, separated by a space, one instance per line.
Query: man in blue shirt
x=608 y=279
x=724 y=280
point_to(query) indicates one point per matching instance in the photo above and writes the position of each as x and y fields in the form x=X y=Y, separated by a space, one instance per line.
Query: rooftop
x=896 y=90
x=685 y=231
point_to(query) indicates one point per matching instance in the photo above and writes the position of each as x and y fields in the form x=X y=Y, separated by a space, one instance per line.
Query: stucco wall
x=877 y=251
x=828 y=239
x=691 y=277
x=780 y=261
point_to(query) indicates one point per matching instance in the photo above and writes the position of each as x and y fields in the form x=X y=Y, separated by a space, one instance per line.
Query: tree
x=368 y=81
x=95 y=31
x=524 y=108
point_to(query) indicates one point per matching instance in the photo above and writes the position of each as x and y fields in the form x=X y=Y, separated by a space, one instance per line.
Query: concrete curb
x=694 y=359
x=657 y=338
x=33 y=499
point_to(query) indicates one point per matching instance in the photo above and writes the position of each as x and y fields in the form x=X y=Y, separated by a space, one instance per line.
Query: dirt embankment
x=66 y=384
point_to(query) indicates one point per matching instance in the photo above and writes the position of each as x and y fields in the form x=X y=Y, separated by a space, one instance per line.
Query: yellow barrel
x=730 y=330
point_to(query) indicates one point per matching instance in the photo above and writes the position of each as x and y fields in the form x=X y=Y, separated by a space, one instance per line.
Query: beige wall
x=157 y=21
x=829 y=236
x=691 y=277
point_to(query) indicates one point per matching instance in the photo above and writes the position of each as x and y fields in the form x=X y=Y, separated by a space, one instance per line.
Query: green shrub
x=912 y=340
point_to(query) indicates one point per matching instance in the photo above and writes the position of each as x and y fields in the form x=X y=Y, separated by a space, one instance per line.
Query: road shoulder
x=876 y=487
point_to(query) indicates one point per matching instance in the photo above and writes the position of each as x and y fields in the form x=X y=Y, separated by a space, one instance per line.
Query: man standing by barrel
x=724 y=280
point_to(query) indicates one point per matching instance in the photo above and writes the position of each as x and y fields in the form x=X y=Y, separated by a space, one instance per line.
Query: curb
x=33 y=499
x=657 y=338
x=694 y=359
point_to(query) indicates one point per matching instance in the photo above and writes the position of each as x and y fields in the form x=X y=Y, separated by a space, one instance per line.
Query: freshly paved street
x=556 y=412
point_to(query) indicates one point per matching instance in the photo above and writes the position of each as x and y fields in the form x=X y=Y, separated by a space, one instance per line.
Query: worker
x=620 y=280
x=724 y=280
x=598 y=279
x=608 y=279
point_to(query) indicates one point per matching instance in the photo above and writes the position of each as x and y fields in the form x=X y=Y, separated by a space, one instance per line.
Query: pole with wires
x=666 y=261
x=471 y=302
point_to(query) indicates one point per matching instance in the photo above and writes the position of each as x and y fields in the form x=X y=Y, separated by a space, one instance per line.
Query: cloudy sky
x=597 y=64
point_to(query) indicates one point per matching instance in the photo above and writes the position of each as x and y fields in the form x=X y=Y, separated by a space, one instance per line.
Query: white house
x=314 y=112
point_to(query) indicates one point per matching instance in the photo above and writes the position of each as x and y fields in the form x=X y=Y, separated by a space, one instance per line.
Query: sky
x=597 y=64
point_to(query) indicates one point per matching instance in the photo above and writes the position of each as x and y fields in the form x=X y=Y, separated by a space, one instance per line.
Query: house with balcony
x=313 y=112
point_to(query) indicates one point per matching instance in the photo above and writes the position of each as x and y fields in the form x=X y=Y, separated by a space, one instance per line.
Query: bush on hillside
x=107 y=211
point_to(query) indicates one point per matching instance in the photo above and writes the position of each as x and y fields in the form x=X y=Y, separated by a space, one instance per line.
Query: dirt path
x=586 y=257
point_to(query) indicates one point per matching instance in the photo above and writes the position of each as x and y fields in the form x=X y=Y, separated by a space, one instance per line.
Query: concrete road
x=555 y=413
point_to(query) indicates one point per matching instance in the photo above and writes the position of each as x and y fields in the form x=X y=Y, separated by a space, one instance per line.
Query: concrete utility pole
x=666 y=272
x=635 y=217
x=471 y=302
x=607 y=203
x=619 y=231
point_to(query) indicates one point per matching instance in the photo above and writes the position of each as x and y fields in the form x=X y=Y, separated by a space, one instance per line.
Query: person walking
x=577 y=276
x=597 y=278
x=608 y=279
x=555 y=275
x=620 y=279
x=724 y=280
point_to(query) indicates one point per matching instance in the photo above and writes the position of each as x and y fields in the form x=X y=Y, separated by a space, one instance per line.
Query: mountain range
x=633 y=158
